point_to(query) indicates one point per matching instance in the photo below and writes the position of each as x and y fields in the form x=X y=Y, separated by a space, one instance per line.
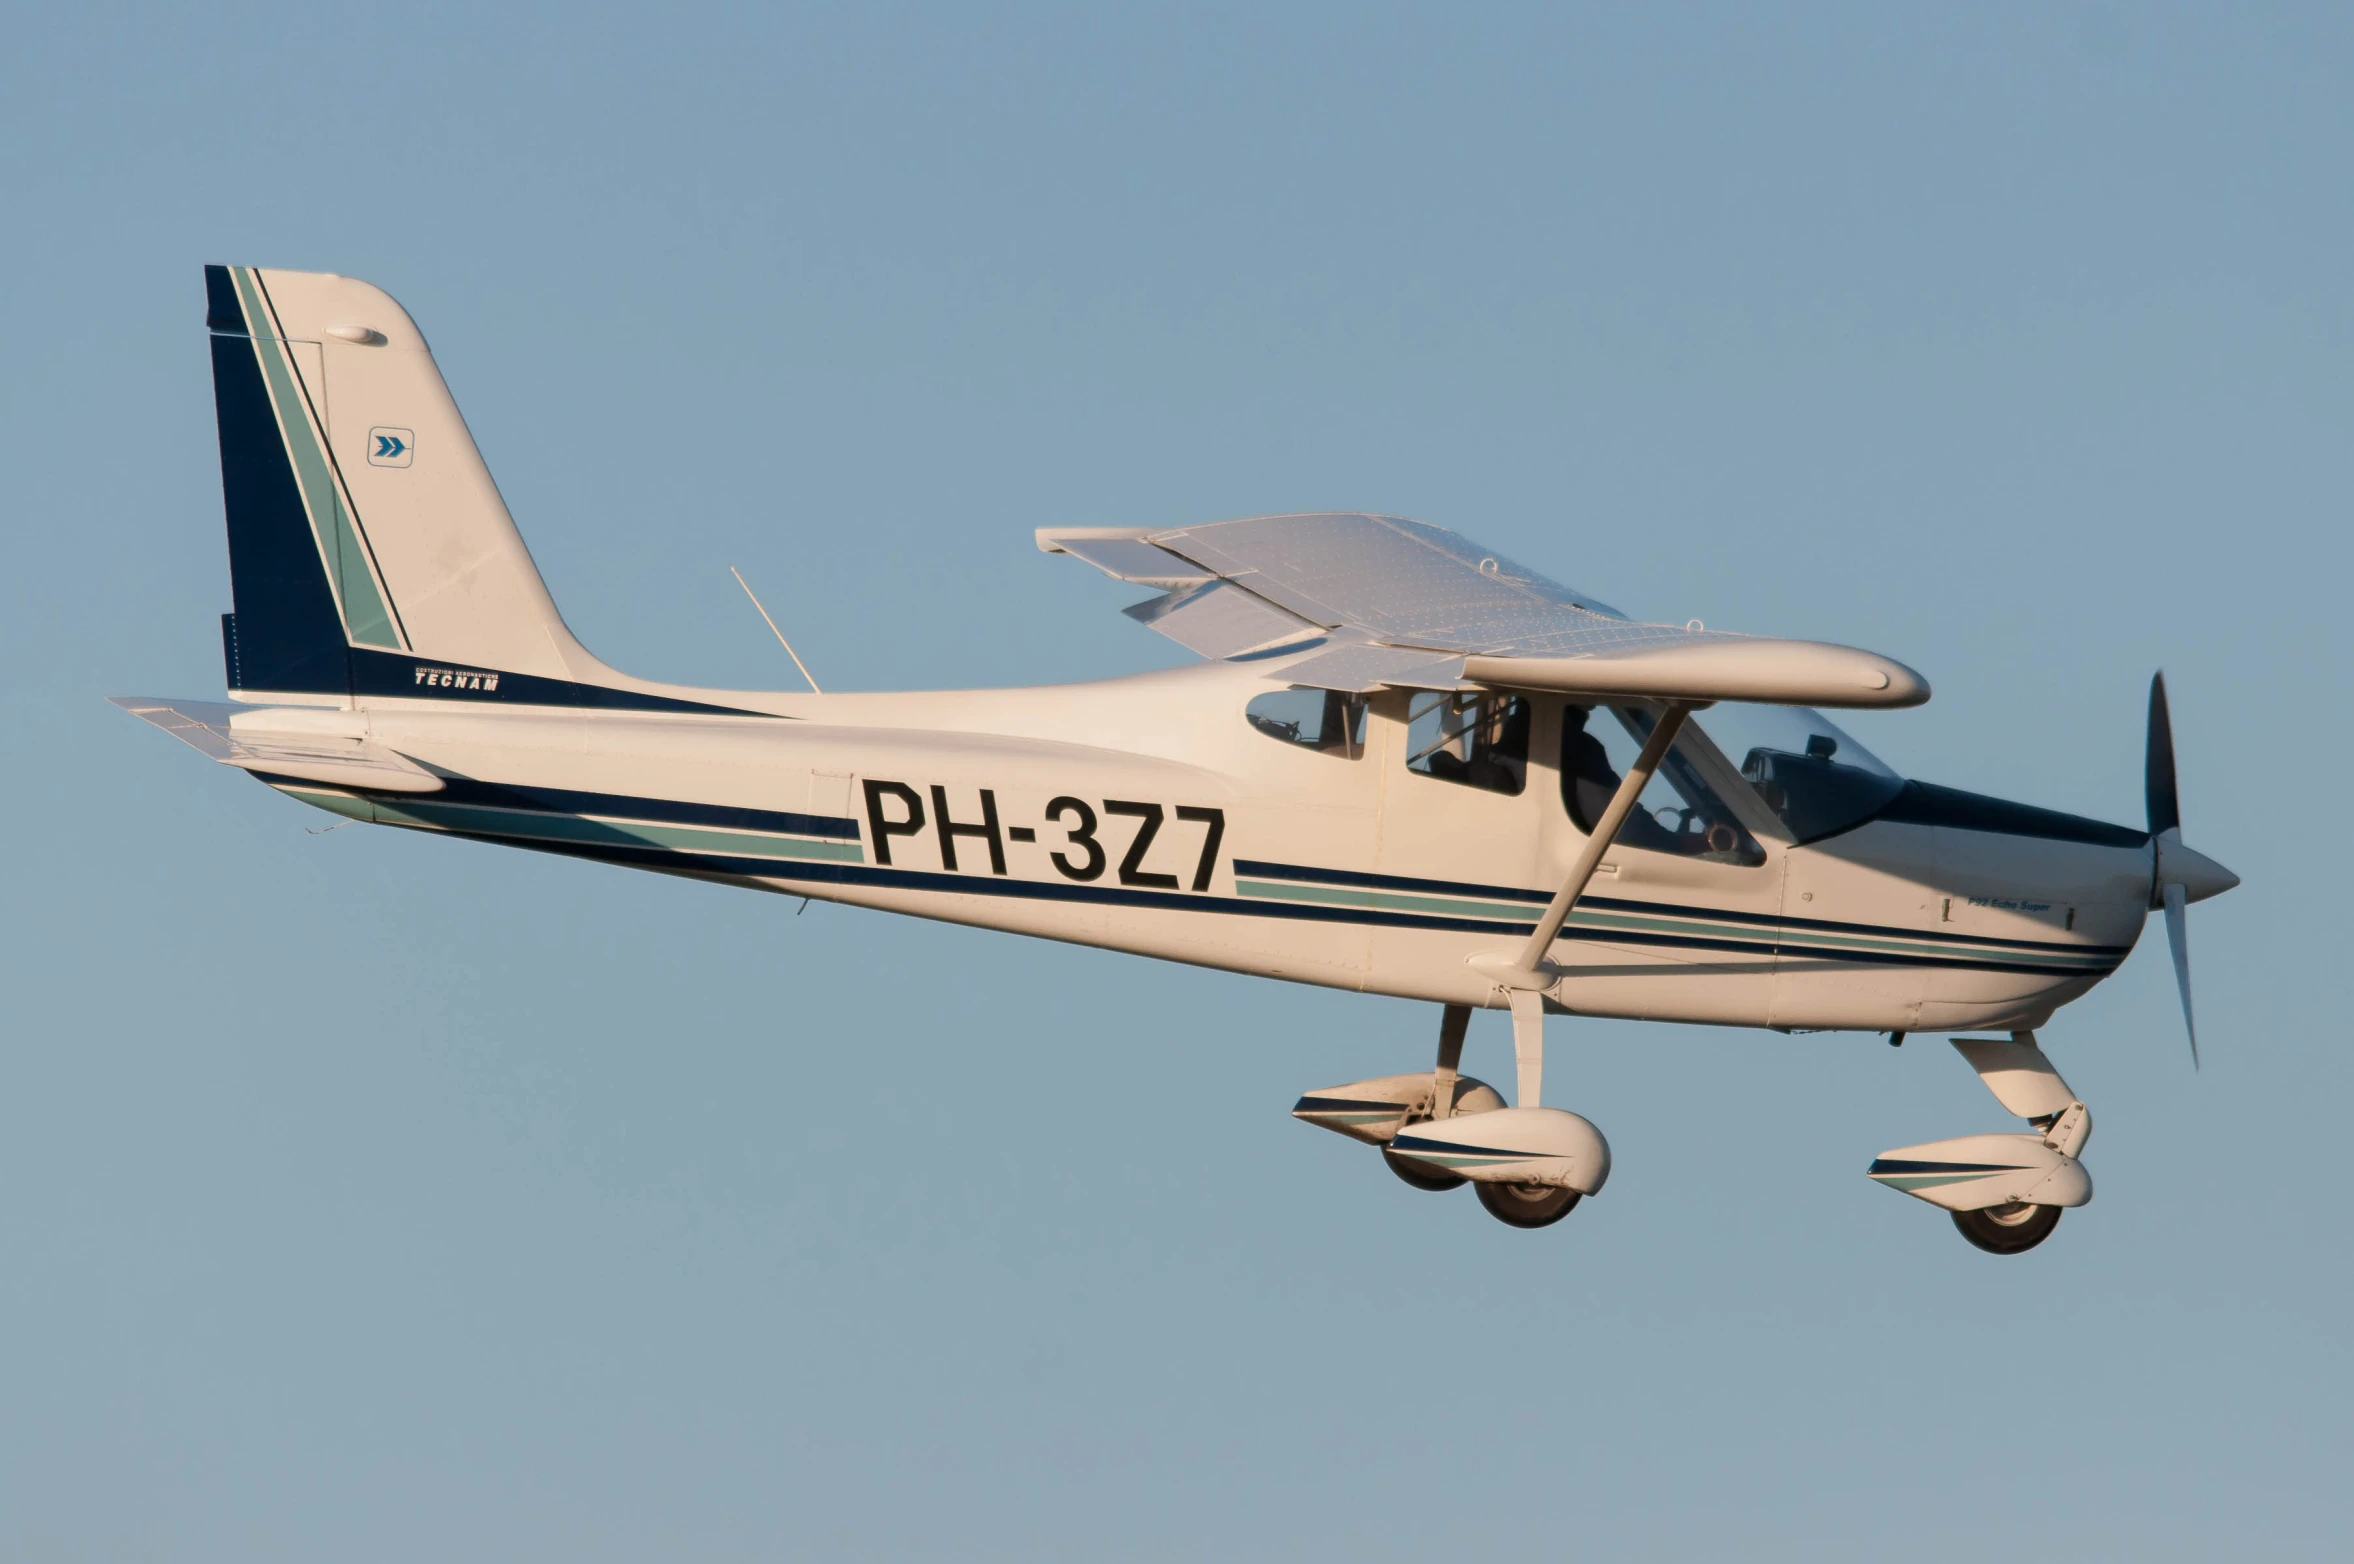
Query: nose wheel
x=2005 y=1192
x=2014 y=1228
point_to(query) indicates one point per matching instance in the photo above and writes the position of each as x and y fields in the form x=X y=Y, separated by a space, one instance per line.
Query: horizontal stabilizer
x=309 y=743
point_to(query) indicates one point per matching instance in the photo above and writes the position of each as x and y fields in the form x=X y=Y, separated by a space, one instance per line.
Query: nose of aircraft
x=2199 y=875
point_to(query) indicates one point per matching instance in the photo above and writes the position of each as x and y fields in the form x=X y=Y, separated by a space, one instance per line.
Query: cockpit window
x=1478 y=740
x=1677 y=813
x=1322 y=720
x=1814 y=777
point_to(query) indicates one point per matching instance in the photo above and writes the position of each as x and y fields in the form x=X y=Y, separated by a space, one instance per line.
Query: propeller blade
x=2158 y=764
x=2178 y=939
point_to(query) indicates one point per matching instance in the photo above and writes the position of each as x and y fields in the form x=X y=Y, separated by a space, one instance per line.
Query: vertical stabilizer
x=369 y=550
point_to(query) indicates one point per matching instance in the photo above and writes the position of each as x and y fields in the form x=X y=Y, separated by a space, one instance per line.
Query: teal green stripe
x=1928 y=942
x=364 y=613
x=1640 y=923
x=533 y=825
x=1385 y=901
x=1833 y=944
x=335 y=803
x=530 y=825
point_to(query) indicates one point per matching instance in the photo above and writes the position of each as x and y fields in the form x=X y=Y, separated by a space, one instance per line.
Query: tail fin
x=369 y=551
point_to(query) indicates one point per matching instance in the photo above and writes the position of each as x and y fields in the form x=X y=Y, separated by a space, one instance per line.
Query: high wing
x=1395 y=602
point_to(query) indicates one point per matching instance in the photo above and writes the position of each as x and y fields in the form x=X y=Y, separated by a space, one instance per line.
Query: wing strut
x=1530 y=978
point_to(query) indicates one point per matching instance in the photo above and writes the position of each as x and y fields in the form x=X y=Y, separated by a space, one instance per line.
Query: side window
x=1478 y=740
x=1678 y=813
x=1322 y=720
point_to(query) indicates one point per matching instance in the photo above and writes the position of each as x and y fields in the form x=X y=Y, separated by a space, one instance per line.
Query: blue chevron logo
x=391 y=447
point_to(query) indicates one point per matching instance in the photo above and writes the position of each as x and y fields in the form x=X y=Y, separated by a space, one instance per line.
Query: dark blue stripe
x=1897 y=1165
x=376 y=672
x=289 y=635
x=1298 y=874
x=558 y=800
x=762 y=872
x=1925 y=803
x=1418 y=1143
x=1261 y=869
x=222 y=312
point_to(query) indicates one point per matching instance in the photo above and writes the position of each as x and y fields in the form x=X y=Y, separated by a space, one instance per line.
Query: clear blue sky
x=368 y=1197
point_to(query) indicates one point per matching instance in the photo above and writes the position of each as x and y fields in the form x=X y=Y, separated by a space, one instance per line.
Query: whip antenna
x=773 y=630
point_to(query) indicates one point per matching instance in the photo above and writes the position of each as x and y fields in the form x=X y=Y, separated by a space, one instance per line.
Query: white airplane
x=1407 y=765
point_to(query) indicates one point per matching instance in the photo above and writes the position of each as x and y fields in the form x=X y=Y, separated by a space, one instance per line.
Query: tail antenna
x=773 y=630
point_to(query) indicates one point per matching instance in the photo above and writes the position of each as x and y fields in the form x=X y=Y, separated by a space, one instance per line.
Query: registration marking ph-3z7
x=1405 y=765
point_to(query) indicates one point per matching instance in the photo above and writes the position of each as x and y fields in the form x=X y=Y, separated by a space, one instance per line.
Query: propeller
x=2179 y=875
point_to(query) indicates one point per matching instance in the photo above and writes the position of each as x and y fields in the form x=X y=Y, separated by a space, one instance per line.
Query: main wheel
x=1422 y=1175
x=2009 y=1229
x=1527 y=1205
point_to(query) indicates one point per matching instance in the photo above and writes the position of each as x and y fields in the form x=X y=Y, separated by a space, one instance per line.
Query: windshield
x=1814 y=777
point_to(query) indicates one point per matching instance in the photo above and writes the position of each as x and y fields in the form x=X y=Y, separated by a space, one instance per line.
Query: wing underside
x=1387 y=602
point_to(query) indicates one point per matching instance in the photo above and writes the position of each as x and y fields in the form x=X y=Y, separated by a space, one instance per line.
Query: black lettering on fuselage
x=1132 y=870
x=1215 y=819
x=879 y=829
x=1082 y=835
x=950 y=829
x=1083 y=858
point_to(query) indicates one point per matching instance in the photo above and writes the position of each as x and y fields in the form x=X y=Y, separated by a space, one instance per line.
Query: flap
x=1220 y=620
x=1358 y=670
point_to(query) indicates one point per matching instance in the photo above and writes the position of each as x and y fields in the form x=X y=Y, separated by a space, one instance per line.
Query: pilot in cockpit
x=1588 y=783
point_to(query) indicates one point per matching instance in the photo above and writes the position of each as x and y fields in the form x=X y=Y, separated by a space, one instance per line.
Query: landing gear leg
x=2023 y=1081
x=1528 y=1045
x=1454 y=1021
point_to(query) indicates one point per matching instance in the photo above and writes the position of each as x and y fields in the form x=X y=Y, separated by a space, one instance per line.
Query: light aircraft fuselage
x=1406 y=766
x=1147 y=814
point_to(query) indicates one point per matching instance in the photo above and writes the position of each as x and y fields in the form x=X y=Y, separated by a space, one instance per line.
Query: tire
x=2011 y=1229
x=1527 y=1205
x=1422 y=1175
